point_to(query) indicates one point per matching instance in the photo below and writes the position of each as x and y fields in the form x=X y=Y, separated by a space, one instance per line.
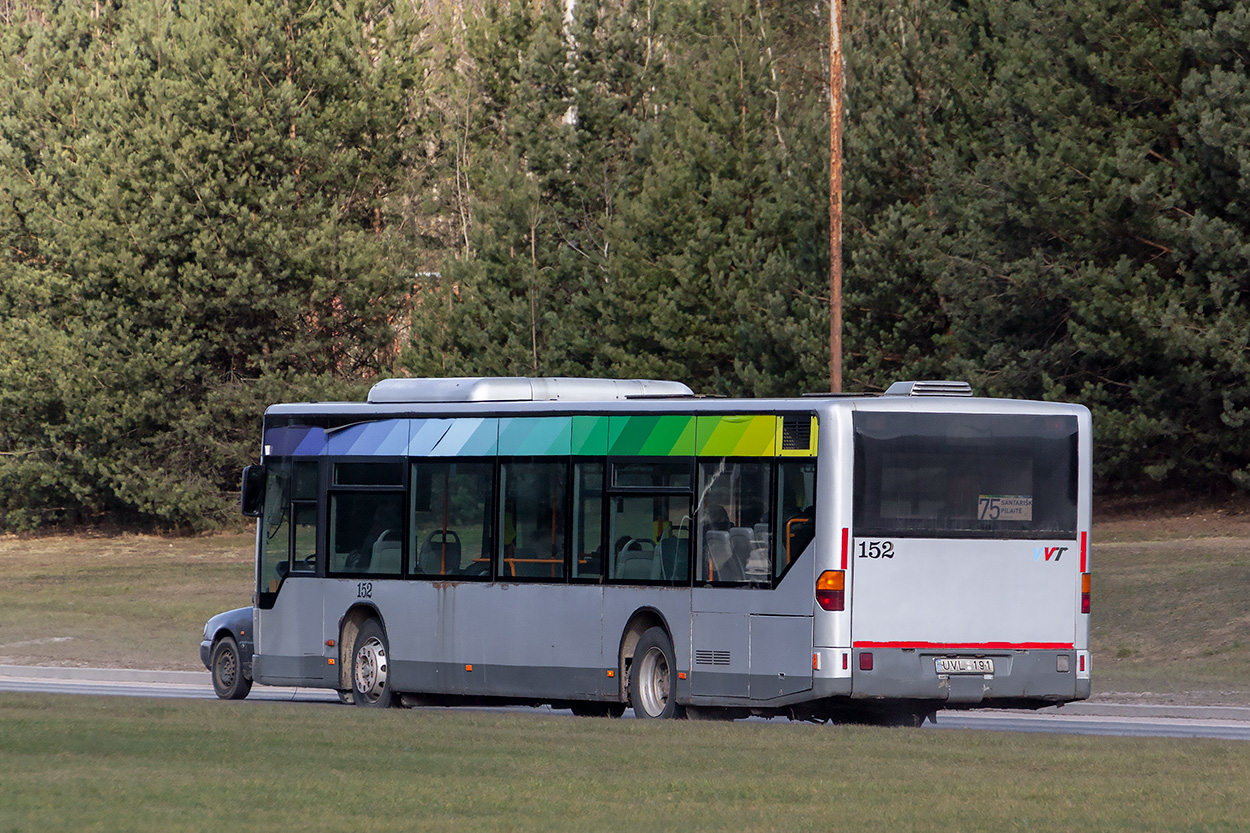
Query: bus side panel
x=534 y=640
x=289 y=645
x=753 y=643
x=491 y=640
x=781 y=656
x=621 y=604
x=409 y=614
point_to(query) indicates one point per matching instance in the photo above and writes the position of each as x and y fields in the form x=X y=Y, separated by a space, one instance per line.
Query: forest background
x=210 y=205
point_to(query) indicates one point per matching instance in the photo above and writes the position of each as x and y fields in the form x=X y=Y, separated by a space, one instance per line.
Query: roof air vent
x=929 y=389
x=519 y=389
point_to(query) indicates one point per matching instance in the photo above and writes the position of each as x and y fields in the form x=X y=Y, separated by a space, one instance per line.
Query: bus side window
x=532 y=538
x=450 y=518
x=304 y=537
x=796 y=511
x=587 y=520
x=734 y=531
x=651 y=535
x=366 y=530
x=304 y=517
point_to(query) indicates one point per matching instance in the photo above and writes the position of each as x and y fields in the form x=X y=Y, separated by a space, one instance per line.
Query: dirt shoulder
x=1170 y=516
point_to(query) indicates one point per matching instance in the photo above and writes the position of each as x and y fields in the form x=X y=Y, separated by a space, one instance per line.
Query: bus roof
x=480 y=396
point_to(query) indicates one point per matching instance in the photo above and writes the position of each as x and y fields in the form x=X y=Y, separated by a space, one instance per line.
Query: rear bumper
x=1020 y=676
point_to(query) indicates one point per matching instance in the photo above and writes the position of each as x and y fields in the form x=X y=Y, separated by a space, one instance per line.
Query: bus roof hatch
x=520 y=389
x=930 y=388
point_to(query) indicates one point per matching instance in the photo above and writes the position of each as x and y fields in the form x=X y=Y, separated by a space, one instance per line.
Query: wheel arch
x=349 y=628
x=640 y=621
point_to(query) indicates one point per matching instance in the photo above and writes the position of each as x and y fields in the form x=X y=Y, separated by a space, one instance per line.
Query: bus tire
x=653 y=677
x=228 y=679
x=371 y=686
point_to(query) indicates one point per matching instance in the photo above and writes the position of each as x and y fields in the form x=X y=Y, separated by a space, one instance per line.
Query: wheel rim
x=653 y=682
x=371 y=669
x=227 y=667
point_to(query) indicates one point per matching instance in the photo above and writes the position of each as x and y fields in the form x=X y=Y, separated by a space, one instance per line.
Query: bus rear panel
x=968 y=554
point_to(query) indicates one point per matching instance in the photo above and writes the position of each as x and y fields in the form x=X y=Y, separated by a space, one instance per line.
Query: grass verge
x=1170 y=617
x=130 y=601
x=127 y=764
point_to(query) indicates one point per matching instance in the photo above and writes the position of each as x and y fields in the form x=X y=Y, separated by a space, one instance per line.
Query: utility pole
x=835 y=196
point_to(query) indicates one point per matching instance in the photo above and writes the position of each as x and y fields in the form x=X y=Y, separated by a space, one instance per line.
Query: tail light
x=1085 y=592
x=831 y=590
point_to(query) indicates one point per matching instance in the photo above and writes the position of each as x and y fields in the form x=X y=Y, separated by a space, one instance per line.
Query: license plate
x=964 y=665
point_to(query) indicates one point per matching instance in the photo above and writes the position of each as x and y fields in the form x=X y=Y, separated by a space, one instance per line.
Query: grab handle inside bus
x=252 y=496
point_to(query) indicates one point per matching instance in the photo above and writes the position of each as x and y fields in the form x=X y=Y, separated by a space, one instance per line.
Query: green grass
x=130 y=601
x=88 y=764
x=1172 y=616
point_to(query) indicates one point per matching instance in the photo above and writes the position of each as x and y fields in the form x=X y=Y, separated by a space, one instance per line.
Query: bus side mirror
x=253 y=491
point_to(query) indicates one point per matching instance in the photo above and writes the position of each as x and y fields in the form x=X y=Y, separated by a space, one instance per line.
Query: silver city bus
x=596 y=544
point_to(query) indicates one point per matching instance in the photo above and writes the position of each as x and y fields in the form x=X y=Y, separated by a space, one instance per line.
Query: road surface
x=1123 y=720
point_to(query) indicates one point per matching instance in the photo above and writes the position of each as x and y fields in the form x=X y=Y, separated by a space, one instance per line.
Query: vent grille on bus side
x=711 y=657
x=796 y=433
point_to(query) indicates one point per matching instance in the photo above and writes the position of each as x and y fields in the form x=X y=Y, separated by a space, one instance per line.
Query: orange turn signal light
x=831 y=590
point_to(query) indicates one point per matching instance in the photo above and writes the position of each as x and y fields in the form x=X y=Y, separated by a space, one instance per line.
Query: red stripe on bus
x=972 y=646
x=846 y=544
x=1083 y=549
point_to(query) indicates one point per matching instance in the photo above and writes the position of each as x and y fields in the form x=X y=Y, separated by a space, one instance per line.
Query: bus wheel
x=652 y=676
x=228 y=679
x=371 y=667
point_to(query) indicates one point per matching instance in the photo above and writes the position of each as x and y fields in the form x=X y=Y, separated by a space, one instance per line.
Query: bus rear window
x=965 y=475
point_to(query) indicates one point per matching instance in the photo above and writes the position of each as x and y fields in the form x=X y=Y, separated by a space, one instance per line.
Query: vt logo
x=1048 y=553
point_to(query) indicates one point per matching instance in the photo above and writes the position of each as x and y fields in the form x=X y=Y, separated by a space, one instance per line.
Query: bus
x=597 y=545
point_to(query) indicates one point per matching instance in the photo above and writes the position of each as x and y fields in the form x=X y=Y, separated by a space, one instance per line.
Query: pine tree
x=1100 y=249
x=195 y=202
x=721 y=253
x=553 y=106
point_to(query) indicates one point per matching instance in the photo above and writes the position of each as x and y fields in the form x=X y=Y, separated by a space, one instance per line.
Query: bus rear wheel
x=652 y=677
x=228 y=679
x=371 y=668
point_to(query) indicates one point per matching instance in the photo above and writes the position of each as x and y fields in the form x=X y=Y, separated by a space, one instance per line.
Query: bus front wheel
x=371 y=668
x=652 y=677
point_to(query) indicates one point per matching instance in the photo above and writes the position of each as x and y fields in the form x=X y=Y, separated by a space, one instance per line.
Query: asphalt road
x=1121 y=720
